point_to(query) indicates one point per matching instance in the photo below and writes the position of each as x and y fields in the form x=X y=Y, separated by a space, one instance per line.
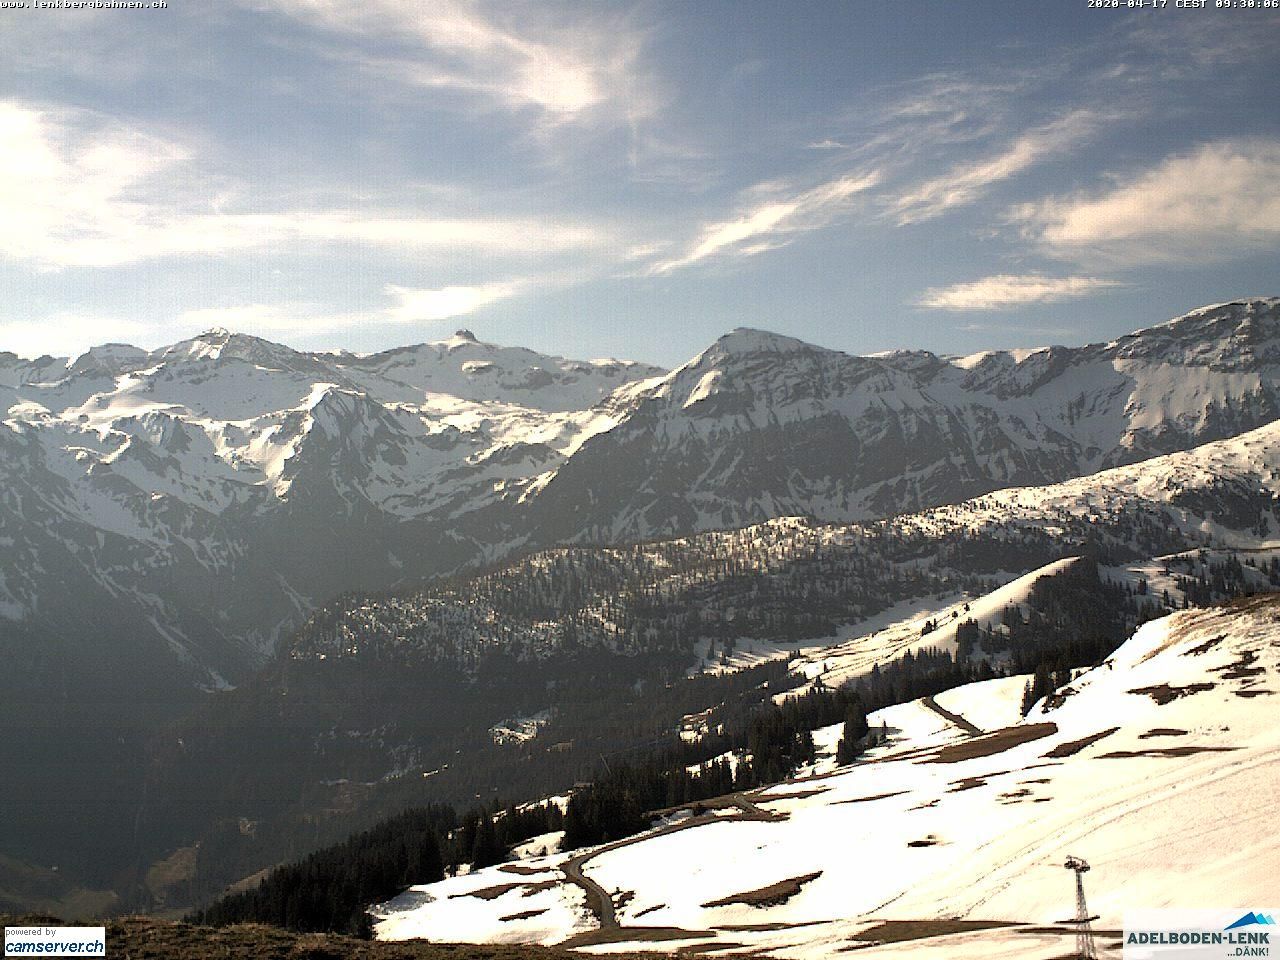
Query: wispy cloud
x=1215 y=202
x=78 y=189
x=966 y=183
x=564 y=71
x=1004 y=291
x=771 y=223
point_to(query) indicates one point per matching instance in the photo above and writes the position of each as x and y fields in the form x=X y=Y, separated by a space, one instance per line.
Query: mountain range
x=168 y=516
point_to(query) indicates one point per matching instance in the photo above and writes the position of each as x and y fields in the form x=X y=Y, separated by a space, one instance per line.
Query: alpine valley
x=262 y=599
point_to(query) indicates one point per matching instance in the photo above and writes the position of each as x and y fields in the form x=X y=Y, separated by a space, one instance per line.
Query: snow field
x=1161 y=767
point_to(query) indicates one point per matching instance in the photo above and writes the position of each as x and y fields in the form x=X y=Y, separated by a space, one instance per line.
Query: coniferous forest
x=1071 y=620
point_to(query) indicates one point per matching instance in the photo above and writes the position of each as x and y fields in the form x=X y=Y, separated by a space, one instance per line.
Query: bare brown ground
x=523 y=915
x=497 y=890
x=876 y=796
x=1072 y=747
x=992 y=743
x=1013 y=796
x=695 y=949
x=901 y=931
x=1207 y=645
x=1163 y=693
x=1164 y=752
x=1163 y=732
x=488 y=893
x=795 y=795
x=591 y=938
x=521 y=869
x=1242 y=669
x=770 y=896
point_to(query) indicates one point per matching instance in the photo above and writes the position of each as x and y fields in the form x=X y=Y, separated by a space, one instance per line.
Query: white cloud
x=563 y=72
x=1220 y=200
x=417 y=305
x=966 y=183
x=79 y=190
x=409 y=305
x=1003 y=292
x=768 y=224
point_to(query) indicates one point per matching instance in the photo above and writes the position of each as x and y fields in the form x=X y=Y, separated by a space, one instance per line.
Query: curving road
x=601 y=901
x=953 y=718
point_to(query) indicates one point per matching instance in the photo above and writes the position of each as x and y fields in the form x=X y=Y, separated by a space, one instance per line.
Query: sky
x=632 y=179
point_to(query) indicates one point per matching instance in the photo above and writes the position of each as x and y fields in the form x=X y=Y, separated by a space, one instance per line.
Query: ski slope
x=1161 y=767
x=850 y=659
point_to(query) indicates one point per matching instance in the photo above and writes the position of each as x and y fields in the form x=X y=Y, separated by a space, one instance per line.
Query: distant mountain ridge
x=760 y=425
x=170 y=514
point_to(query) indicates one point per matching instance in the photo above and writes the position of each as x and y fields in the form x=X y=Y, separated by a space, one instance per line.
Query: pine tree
x=486 y=851
x=855 y=729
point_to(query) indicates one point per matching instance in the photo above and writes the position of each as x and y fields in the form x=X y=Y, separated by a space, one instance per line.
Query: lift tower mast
x=1085 y=947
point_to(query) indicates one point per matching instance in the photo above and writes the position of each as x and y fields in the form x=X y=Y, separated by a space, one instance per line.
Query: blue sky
x=632 y=180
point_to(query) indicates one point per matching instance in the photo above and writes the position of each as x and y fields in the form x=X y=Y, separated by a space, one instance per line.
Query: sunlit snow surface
x=1161 y=767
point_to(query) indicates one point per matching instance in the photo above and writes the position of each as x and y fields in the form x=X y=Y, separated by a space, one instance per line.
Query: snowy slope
x=1152 y=767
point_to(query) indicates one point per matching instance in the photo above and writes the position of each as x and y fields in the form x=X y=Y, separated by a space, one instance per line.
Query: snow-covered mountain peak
x=1240 y=335
x=748 y=363
x=16 y=371
x=465 y=368
x=219 y=343
x=749 y=340
x=108 y=360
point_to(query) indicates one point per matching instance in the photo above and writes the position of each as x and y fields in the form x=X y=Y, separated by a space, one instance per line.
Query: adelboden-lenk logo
x=1201 y=934
x=42 y=941
x=1253 y=917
